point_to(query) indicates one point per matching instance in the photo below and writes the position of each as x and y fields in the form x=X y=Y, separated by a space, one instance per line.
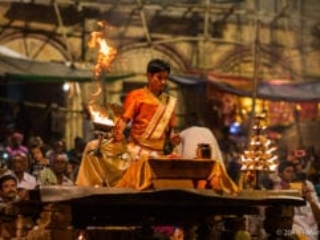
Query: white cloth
x=66 y=181
x=304 y=221
x=192 y=136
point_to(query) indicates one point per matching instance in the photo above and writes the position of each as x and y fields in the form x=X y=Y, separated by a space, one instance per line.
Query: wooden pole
x=255 y=81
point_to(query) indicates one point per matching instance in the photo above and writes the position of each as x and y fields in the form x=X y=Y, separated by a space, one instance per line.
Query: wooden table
x=180 y=173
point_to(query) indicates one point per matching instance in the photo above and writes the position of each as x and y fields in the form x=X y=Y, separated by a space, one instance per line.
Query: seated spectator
x=8 y=195
x=37 y=154
x=40 y=168
x=58 y=147
x=72 y=170
x=299 y=160
x=16 y=145
x=19 y=170
x=286 y=174
x=8 y=190
x=306 y=218
x=59 y=167
x=38 y=141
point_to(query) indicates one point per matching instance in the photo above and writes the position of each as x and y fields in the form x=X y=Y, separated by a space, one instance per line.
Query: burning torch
x=103 y=125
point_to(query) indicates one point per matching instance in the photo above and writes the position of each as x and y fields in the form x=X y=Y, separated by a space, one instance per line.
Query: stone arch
x=39 y=46
x=134 y=60
x=178 y=62
x=241 y=61
x=36 y=45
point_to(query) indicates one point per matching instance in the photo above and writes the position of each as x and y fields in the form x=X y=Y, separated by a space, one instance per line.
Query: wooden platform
x=66 y=211
x=124 y=207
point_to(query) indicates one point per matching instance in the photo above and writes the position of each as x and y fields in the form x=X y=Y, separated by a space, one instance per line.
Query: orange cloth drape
x=140 y=175
x=105 y=169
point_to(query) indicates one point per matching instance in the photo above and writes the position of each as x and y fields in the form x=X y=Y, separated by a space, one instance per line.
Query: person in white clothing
x=59 y=168
x=195 y=134
x=19 y=170
x=307 y=217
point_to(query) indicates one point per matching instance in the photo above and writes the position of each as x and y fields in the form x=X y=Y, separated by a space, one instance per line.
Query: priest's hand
x=175 y=139
x=118 y=136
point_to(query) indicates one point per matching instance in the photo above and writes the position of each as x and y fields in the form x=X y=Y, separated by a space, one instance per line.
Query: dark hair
x=283 y=165
x=5 y=178
x=41 y=148
x=157 y=65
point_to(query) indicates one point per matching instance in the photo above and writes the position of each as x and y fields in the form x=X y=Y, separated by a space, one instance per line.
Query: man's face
x=287 y=174
x=19 y=163
x=297 y=165
x=37 y=154
x=157 y=81
x=58 y=147
x=9 y=190
x=59 y=165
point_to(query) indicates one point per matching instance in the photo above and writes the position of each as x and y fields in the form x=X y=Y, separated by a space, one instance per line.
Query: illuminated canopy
x=291 y=92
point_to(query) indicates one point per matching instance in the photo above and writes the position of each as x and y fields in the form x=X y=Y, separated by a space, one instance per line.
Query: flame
x=106 y=53
x=98 y=118
x=99 y=115
x=260 y=154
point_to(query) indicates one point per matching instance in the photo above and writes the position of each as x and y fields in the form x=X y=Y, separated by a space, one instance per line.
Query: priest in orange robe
x=151 y=113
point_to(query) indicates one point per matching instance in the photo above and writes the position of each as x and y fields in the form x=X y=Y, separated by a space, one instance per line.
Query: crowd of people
x=29 y=163
x=37 y=163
